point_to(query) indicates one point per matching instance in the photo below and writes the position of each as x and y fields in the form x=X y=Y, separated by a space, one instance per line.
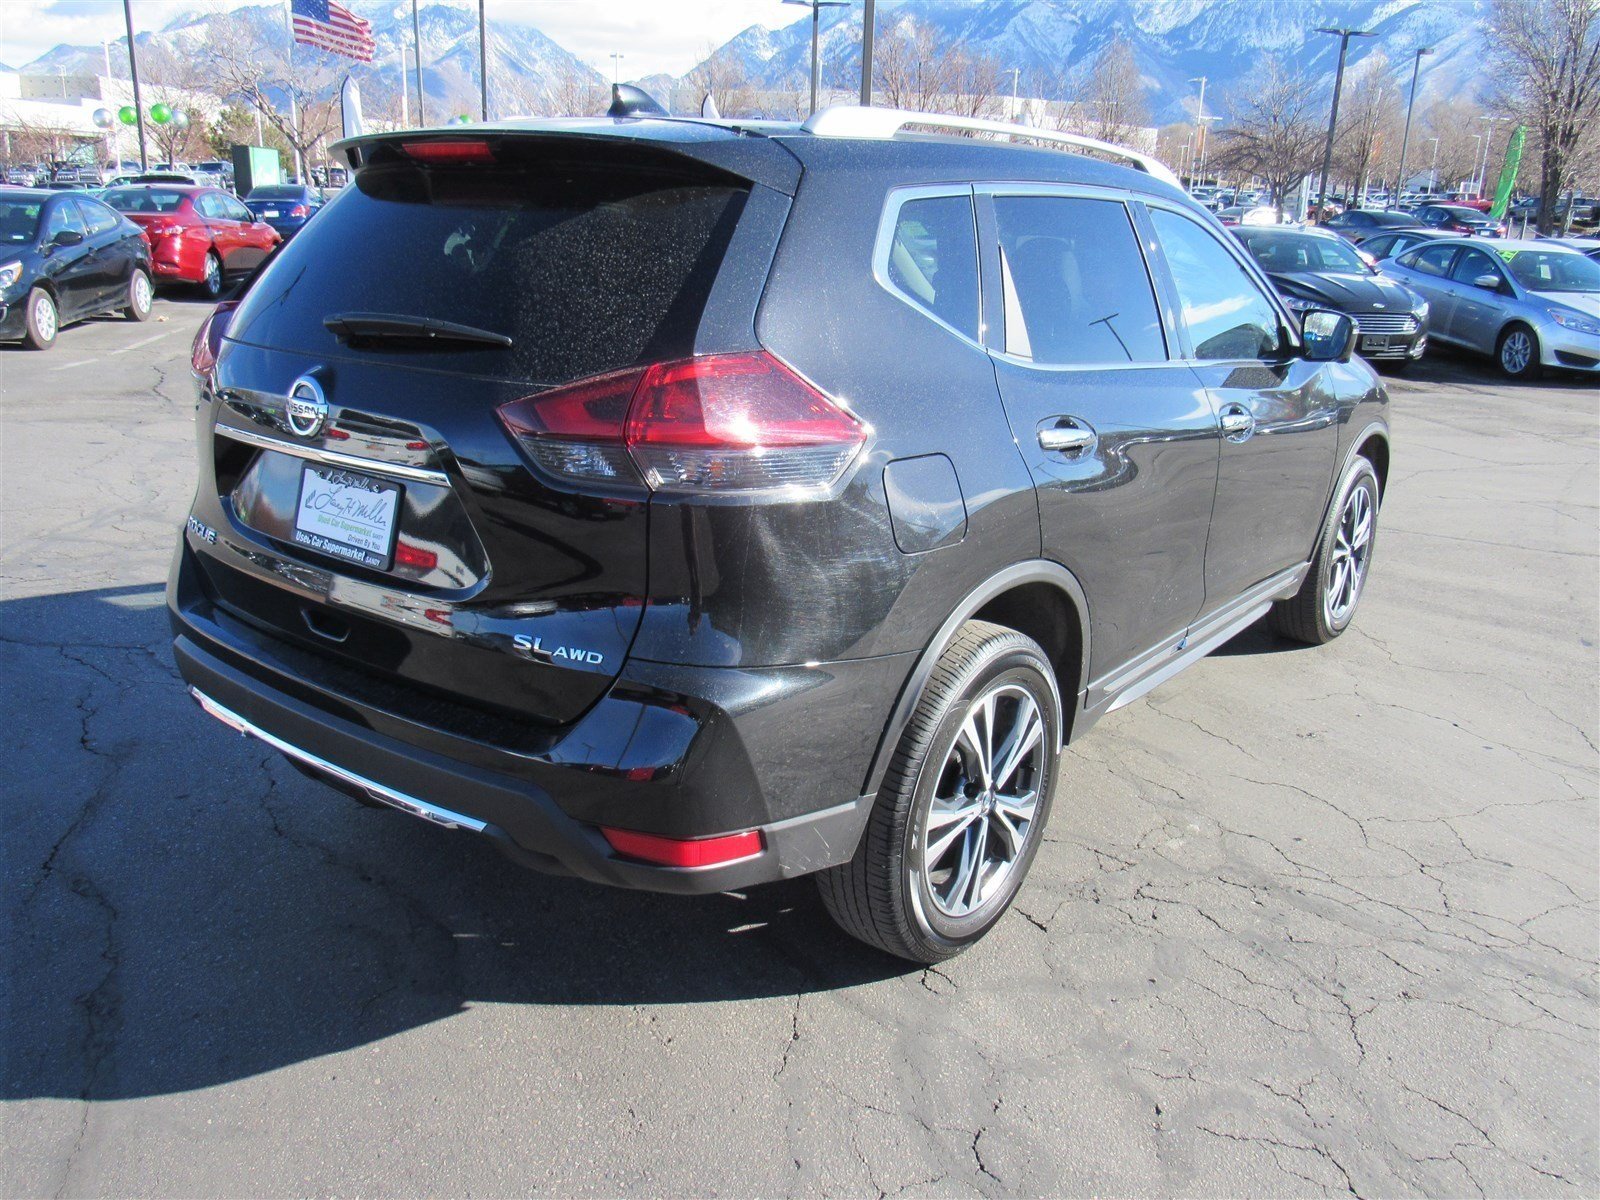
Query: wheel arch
x=1040 y=598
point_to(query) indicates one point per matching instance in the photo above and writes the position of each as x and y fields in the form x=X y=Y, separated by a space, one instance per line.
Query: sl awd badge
x=534 y=648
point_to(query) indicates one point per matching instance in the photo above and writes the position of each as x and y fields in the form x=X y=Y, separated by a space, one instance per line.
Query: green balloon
x=160 y=114
x=128 y=115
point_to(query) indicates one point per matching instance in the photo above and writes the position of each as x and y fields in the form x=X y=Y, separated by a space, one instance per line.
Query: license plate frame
x=348 y=515
x=269 y=212
x=1376 y=341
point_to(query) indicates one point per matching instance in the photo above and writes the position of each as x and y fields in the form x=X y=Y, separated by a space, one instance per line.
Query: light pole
x=1433 y=168
x=1488 y=142
x=1016 y=73
x=1200 y=125
x=616 y=68
x=133 y=72
x=816 y=7
x=1477 y=139
x=416 y=46
x=868 y=21
x=1405 y=140
x=483 y=64
x=1205 y=145
x=1344 y=36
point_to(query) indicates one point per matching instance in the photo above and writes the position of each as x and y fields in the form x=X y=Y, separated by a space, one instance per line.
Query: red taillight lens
x=681 y=852
x=299 y=210
x=711 y=425
x=449 y=153
x=208 y=338
x=165 y=229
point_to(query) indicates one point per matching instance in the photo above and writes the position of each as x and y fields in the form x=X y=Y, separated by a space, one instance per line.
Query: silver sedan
x=1529 y=304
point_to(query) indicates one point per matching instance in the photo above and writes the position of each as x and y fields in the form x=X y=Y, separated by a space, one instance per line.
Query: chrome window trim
x=333 y=458
x=897 y=199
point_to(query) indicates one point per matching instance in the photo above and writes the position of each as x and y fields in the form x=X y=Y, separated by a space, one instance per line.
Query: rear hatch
x=378 y=511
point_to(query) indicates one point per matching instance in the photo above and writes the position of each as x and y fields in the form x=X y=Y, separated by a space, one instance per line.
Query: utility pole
x=483 y=64
x=816 y=7
x=416 y=40
x=1405 y=140
x=1200 y=127
x=1344 y=36
x=868 y=20
x=133 y=72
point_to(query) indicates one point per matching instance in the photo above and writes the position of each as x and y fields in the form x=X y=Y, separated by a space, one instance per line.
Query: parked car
x=22 y=175
x=1356 y=225
x=1386 y=245
x=1583 y=245
x=1460 y=220
x=64 y=258
x=64 y=172
x=198 y=235
x=1313 y=269
x=111 y=171
x=61 y=185
x=1260 y=215
x=285 y=206
x=572 y=518
x=1532 y=304
x=214 y=172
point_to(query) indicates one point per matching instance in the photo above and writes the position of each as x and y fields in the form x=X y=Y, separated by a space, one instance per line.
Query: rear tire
x=958 y=781
x=211 y=283
x=42 y=321
x=1326 y=603
x=141 y=296
x=1517 y=352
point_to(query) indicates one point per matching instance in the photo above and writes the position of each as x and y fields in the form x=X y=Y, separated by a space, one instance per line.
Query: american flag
x=331 y=26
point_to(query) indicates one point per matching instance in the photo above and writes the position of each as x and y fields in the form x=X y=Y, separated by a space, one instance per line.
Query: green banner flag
x=1508 y=173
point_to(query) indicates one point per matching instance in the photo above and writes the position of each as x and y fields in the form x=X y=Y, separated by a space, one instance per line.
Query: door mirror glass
x=1329 y=336
x=1489 y=283
x=67 y=237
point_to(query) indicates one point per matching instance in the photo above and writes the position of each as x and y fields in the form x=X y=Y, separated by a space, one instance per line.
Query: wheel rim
x=983 y=806
x=1352 y=550
x=1517 y=352
x=213 y=274
x=141 y=291
x=44 y=318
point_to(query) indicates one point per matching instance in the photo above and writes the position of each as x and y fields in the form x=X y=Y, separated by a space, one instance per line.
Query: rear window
x=275 y=193
x=144 y=199
x=586 y=268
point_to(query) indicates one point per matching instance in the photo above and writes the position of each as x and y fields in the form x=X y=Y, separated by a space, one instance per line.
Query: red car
x=197 y=234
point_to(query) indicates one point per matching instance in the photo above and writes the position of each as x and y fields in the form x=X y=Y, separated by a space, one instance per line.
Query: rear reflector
x=680 y=852
x=449 y=153
x=714 y=425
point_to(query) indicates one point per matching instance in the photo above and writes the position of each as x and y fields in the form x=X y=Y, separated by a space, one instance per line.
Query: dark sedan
x=64 y=257
x=1386 y=245
x=1356 y=225
x=1459 y=220
x=285 y=206
x=1316 y=269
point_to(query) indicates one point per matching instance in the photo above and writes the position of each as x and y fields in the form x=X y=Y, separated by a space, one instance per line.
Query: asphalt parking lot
x=1308 y=920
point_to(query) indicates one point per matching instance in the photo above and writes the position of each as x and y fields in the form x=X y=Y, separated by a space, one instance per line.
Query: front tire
x=963 y=804
x=1326 y=603
x=1517 y=352
x=141 y=296
x=42 y=322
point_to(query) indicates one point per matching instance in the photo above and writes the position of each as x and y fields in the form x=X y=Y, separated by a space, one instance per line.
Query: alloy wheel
x=142 y=297
x=213 y=281
x=1352 y=550
x=1516 y=352
x=983 y=806
x=44 y=317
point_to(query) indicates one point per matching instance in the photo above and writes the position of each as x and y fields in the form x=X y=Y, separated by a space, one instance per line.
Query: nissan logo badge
x=308 y=409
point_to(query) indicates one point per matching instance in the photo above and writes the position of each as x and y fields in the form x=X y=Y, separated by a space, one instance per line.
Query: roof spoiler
x=853 y=121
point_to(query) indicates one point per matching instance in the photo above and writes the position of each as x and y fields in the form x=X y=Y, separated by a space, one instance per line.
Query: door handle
x=1068 y=437
x=1237 y=421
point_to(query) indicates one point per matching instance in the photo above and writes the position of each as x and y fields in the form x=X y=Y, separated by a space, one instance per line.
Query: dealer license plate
x=347 y=515
x=271 y=212
x=1375 y=342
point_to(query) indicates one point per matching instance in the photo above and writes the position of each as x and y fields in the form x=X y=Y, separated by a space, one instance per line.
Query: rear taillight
x=299 y=210
x=719 y=424
x=208 y=338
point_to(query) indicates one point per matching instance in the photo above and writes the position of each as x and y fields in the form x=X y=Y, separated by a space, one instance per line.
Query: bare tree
x=726 y=79
x=1113 y=96
x=242 y=65
x=1548 y=52
x=913 y=70
x=1448 y=130
x=1366 y=121
x=1273 y=130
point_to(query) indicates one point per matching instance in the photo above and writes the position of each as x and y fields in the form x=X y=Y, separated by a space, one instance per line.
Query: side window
x=1473 y=263
x=1227 y=313
x=1076 y=287
x=1378 y=246
x=63 y=215
x=1435 y=260
x=234 y=210
x=933 y=259
x=100 y=219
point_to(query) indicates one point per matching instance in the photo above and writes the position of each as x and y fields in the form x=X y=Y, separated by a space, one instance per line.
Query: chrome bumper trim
x=333 y=458
x=387 y=795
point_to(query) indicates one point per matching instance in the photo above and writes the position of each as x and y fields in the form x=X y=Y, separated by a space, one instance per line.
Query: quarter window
x=1227 y=313
x=1435 y=260
x=933 y=259
x=1075 y=284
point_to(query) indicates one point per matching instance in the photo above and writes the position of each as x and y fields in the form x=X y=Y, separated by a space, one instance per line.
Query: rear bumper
x=679 y=752
x=179 y=259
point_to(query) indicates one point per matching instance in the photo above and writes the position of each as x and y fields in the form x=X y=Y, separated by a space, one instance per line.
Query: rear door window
x=1434 y=260
x=933 y=259
x=100 y=218
x=585 y=267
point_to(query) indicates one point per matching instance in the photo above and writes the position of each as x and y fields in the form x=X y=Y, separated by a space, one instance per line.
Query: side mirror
x=1489 y=283
x=1329 y=336
x=67 y=237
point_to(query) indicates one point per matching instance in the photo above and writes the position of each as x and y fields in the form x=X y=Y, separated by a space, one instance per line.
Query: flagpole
x=483 y=64
x=416 y=38
x=294 y=111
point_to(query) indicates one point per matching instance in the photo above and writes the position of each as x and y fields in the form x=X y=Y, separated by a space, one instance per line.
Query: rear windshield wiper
x=398 y=327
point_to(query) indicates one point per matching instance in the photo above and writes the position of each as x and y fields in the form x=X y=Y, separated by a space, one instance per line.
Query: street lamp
x=1016 y=73
x=1344 y=36
x=816 y=7
x=1200 y=124
x=1405 y=140
x=616 y=68
x=1488 y=142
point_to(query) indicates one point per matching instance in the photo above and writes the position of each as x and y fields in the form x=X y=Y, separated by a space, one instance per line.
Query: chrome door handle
x=1066 y=439
x=1236 y=420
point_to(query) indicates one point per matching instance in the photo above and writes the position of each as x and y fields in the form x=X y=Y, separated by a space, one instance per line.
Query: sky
x=652 y=35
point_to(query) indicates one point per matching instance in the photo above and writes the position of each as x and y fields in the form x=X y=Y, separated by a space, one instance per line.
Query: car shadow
x=1259 y=638
x=185 y=909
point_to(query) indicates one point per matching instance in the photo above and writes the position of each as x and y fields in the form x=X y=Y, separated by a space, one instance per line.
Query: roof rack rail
x=853 y=121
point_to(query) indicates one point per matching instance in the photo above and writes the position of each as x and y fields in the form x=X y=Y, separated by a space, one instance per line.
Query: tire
x=894 y=894
x=211 y=282
x=1517 y=352
x=42 y=321
x=1321 y=610
x=141 y=296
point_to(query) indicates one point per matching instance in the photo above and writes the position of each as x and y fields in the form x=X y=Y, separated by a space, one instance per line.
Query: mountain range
x=1173 y=43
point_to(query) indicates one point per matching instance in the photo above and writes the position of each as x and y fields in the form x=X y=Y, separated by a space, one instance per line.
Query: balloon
x=180 y=119
x=128 y=115
x=103 y=118
x=160 y=114
x=460 y=119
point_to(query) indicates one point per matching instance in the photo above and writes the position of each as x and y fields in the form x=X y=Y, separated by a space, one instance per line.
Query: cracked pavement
x=1310 y=921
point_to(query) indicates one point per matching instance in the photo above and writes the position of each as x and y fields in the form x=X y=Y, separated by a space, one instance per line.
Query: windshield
x=144 y=200
x=19 y=221
x=1303 y=252
x=1553 y=271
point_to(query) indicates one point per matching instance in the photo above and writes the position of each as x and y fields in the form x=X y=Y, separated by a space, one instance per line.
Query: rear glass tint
x=145 y=199
x=585 y=269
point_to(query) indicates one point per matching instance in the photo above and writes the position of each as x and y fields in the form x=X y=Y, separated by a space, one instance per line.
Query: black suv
x=688 y=505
